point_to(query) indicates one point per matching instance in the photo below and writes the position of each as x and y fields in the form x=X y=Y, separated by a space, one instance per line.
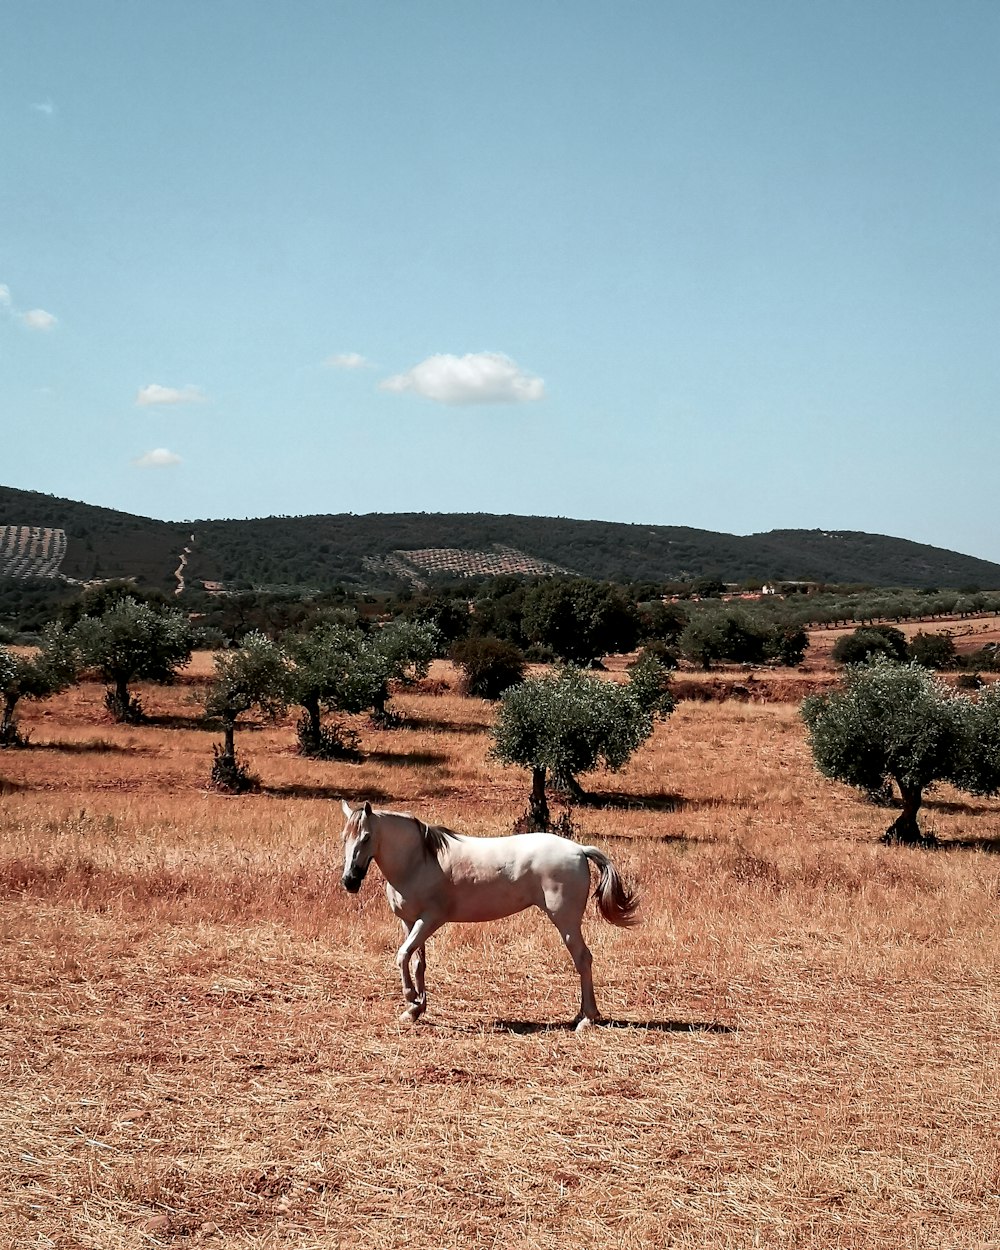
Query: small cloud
x=347 y=360
x=158 y=458
x=45 y=106
x=477 y=378
x=4 y=295
x=156 y=394
x=38 y=319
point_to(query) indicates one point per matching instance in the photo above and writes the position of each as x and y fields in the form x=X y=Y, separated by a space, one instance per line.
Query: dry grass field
x=199 y=1026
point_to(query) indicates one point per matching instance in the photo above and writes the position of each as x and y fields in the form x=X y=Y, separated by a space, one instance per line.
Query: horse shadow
x=523 y=1027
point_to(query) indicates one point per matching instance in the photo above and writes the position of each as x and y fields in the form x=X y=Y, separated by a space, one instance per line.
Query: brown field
x=199 y=1026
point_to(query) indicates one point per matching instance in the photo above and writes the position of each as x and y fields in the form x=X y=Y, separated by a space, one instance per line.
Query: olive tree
x=253 y=677
x=334 y=668
x=133 y=641
x=46 y=672
x=892 y=722
x=406 y=648
x=979 y=768
x=566 y=723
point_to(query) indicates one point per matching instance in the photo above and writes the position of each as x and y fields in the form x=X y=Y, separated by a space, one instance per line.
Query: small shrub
x=532 y=821
x=664 y=654
x=387 y=718
x=127 y=710
x=489 y=666
x=230 y=774
x=334 y=742
x=868 y=641
x=935 y=651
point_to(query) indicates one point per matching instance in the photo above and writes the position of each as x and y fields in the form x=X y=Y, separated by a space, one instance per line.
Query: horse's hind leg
x=567 y=921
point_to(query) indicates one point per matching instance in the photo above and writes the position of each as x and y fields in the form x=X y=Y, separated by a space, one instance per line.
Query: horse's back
x=494 y=877
x=529 y=851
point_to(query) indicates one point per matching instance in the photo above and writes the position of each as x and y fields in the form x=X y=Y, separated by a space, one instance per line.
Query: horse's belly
x=473 y=902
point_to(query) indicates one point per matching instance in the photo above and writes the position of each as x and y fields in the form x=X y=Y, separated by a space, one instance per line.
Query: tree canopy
x=567 y=723
x=896 y=722
x=133 y=641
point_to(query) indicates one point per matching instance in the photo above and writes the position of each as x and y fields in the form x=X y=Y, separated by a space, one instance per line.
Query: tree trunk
x=569 y=785
x=311 y=706
x=538 y=804
x=904 y=829
x=229 y=744
x=8 y=731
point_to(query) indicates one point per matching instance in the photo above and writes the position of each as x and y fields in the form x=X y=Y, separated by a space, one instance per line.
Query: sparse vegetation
x=803 y=1037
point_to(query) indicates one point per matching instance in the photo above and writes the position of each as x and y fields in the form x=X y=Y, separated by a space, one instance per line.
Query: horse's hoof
x=411 y=1015
x=584 y=1024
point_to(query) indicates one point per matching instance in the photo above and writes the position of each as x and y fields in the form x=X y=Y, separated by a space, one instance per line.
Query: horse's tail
x=616 y=902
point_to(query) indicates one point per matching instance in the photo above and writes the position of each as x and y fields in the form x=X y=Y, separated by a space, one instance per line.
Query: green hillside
x=321 y=551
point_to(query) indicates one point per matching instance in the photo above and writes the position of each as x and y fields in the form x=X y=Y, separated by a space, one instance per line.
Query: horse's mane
x=434 y=837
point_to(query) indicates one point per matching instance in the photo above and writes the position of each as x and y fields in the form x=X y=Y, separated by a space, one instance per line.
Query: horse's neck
x=399 y=848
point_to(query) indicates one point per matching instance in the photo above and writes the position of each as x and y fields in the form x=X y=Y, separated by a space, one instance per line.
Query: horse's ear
x=368 y=808
x=347 y=808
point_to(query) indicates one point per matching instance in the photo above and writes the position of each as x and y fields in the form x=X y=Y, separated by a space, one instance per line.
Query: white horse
x=433 y=875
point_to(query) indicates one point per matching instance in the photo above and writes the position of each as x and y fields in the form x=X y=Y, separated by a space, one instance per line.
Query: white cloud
x=38 y=319
x=156 y=394
x=158 y=458
x=347 y=360
x=477 y=378
x=44 y=106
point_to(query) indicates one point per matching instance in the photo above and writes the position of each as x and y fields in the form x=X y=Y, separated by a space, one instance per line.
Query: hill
x=380 y=550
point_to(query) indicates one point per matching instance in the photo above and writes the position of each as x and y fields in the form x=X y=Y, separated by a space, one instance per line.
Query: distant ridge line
x=382 y=551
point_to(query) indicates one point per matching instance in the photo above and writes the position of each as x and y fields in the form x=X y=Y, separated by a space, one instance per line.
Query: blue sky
x=728 y=265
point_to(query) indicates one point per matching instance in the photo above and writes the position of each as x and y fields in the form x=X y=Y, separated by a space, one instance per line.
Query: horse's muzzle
x=352 y=883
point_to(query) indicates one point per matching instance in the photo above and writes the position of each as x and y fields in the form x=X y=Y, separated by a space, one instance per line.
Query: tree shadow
x=443 y=726
x=334 y=793
x=93 y=746
x=619 y=801
x=951 y=807
x=184 y=722
x=989 y=846
x=522 y=1027
x=412 y=759
x=12 y=787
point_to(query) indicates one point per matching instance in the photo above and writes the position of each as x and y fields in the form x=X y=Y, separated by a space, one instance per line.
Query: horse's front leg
x=414 y=993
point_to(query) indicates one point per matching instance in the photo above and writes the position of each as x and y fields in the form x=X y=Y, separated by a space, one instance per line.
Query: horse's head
x=359 y=849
